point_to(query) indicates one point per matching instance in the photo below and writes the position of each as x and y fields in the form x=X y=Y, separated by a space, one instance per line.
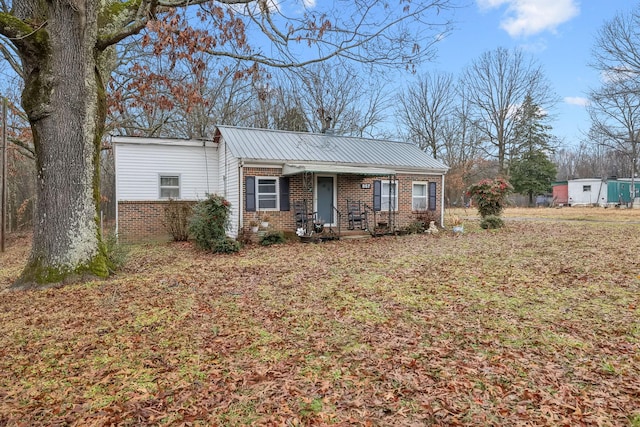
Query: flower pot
x=264 y=224
x=458 y=229
x=254 y=229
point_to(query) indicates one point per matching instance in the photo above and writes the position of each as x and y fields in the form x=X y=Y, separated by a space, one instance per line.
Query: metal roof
x=292 y=169
x=284 y=146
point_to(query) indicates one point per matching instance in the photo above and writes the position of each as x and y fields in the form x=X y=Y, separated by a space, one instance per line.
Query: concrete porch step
x=354 y=234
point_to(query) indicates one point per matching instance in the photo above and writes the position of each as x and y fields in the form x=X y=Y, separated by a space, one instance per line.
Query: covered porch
x=331 y=201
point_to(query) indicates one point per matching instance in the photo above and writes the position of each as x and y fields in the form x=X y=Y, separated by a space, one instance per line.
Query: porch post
x=442 y=201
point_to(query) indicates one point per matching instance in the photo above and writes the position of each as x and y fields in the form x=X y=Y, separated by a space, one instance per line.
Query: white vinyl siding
x=229 y=186
x=419 y=197
x=140 y=166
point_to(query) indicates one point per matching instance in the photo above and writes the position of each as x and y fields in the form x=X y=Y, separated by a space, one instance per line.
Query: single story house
x=268 y=172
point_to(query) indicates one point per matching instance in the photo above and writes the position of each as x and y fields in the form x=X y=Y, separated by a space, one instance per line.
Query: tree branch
x=9 y=53
x=28 y=150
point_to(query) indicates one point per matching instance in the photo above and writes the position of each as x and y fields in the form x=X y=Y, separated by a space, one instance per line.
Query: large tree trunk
x=62 y=98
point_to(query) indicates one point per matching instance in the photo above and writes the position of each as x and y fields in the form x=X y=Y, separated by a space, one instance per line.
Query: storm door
x=325 y=199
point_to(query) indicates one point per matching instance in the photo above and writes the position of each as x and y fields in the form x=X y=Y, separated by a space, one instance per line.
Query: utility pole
x=3 y=193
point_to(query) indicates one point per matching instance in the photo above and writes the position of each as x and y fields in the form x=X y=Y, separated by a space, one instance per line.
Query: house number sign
x=365 y=186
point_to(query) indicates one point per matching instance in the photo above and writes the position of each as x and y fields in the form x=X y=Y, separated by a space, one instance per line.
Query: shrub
x=416 y=227
x=490 y=195
x=272 y=238
x=426 y=216
x=176 y=220
x=115 y=252
x=209 y=221
x=226 y=246
x=491 y=222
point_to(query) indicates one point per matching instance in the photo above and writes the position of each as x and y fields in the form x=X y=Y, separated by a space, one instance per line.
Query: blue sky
x=559 y=34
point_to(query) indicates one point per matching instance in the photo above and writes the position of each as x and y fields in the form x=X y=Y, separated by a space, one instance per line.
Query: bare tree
x=615 y=107
x=60 y=48
x=495 y=86
x=20 y=166
x=616 y=51
x=322 y=96
x=339 y=96
x=615 y=120
x=425 y=109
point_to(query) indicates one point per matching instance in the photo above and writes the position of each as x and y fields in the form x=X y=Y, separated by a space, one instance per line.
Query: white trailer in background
x=587 y=192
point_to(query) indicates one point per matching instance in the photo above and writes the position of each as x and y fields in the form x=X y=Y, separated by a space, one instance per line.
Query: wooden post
x=3 y=193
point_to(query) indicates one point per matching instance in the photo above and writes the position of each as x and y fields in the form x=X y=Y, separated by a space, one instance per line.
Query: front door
x=325 y=198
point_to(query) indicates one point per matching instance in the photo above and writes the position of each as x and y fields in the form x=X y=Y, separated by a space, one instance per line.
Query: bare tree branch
x=495 y=86
x=10 y=55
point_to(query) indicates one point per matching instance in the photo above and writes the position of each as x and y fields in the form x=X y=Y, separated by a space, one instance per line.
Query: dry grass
x=565 y=213
x=534 y=324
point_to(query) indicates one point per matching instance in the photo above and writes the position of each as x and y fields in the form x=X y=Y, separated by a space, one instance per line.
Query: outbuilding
x=587 y=192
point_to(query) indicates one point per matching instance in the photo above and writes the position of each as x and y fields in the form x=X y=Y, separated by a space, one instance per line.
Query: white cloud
x=528 y=17
x=576 y=100
x=536 y=46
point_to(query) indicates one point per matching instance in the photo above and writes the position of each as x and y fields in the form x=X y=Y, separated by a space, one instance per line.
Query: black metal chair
x=356 y=214
x=304 y=218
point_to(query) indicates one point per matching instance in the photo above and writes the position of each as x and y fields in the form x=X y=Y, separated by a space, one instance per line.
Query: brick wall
x=406 y=214
x=143 y=220
x=348 y=187
x=277 y=220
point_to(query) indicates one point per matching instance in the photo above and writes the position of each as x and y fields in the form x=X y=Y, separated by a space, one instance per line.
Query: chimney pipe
x=327 y=123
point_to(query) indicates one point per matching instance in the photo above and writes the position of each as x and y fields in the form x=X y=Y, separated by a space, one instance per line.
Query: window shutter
x=284 y=193
x=377 y=195
x=250 y=193
x=432 y=196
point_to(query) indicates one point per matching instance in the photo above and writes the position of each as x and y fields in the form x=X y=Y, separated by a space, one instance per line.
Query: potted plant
x=264 y=220
x=254 y=225
x=456 y=222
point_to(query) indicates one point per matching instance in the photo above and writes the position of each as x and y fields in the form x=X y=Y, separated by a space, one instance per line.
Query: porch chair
x=302 y=215
x=356 y=214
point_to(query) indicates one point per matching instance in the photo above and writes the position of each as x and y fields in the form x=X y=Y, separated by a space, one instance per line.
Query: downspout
x=442 y=201
x=115 y=167
x=240 y=193
x=206 y=164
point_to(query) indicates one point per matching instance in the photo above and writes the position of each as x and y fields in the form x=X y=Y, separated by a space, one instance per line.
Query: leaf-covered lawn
x=536 y=324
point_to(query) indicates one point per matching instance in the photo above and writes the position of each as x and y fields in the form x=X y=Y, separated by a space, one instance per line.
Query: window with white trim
x=267 y=193
x=419 y=196
x=169 y=186
x=389 y=191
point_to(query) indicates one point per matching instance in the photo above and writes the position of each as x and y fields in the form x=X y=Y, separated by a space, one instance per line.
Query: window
x=267 y=193
x=389 y=192
x=419 y=198
x=586 y=188
x=169 y=186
